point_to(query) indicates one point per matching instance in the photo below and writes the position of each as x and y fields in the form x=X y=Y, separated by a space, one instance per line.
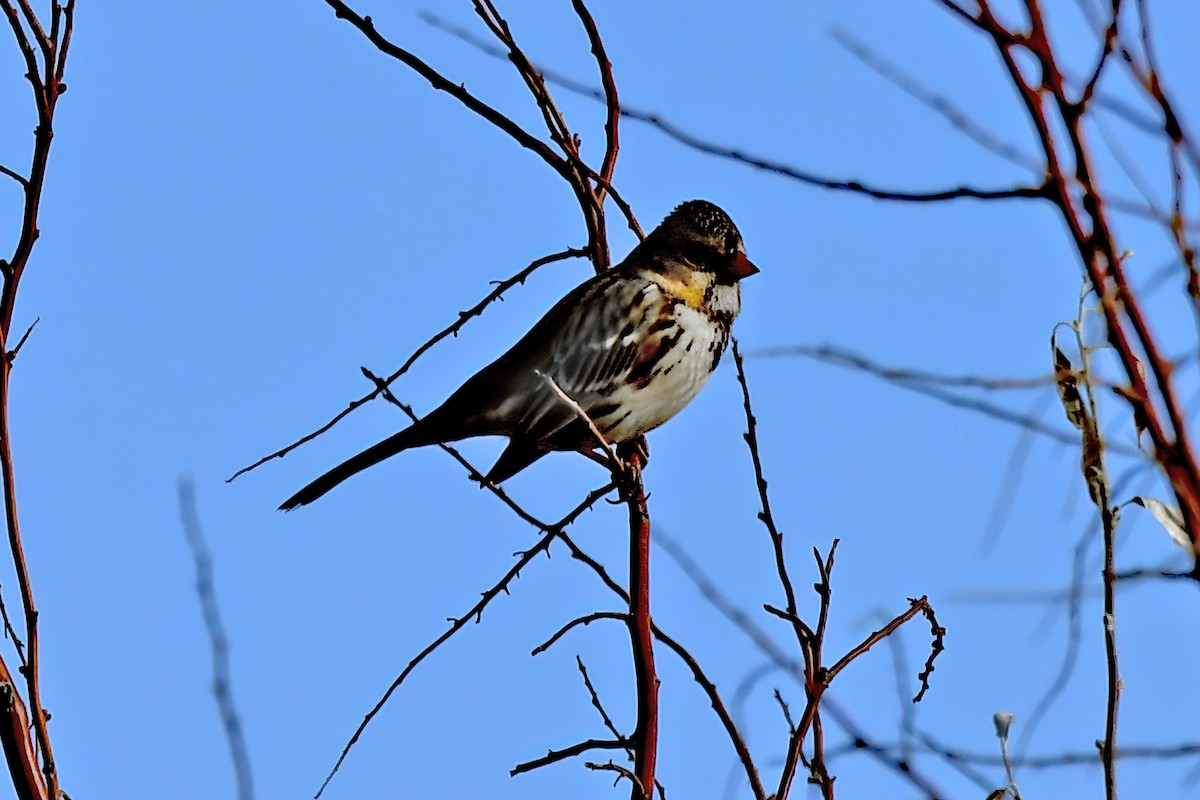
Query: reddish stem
x=22 y=755
x=18 y=747
x=641 y=634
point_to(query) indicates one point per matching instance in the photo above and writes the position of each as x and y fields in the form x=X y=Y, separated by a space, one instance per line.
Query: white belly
x=676 y=381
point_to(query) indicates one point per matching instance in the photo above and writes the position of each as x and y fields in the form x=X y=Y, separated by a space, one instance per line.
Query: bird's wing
x=600 y=341
x=599 y=344
x=589 y=342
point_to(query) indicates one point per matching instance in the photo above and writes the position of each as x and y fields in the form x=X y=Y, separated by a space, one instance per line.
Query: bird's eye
x=731 y=243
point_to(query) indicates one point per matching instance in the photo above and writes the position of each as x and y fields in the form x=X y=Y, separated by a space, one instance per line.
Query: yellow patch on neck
x=690 y=292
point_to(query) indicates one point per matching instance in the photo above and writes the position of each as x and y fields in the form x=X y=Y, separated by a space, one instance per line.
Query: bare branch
x=939 y=104
x=1110 y=38
x=930 y=385
x=915 y=607
x=707 y=147
x=585 y=620
x=11 y=355
x=31 y=65
x=367 y=27
x=218 y=642
x=604 y=717
x=19 y=751
x=569 y=752
x=449 y=330
x=767 y=646
x=46 y=91
x=16 y=176
x=768 y=520
x=612 y=104
x=710 y=689
x=639 y=789
x=474 y=613
x=614 y=463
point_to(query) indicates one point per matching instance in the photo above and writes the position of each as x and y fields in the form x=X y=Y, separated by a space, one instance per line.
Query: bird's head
x=704 y=236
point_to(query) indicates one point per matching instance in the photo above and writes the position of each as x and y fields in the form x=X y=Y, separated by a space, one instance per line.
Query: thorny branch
x=579 y=749
x=550 y=532
x=700 y=144
x=811 y=639
x=450 y=330
x=45 y=80
x=684 y=655
x=785 y=662
x=765 y=515
x=604 y=717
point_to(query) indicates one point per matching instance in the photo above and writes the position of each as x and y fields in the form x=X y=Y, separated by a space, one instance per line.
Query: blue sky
x=247 y=202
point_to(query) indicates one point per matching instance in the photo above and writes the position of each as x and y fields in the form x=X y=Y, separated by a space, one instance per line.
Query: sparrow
x=631 y=347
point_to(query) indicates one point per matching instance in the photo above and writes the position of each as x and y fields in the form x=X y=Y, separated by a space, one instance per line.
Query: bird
x=631 y=346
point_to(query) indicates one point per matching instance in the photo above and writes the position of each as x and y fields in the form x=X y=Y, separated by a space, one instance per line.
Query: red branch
x=19 y=751
x=47 y=86
x=705 y=683
x=641 y=634
x=1151 y=391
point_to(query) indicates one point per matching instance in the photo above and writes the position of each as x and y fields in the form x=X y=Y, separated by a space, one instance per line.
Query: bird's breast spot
x=692 y=296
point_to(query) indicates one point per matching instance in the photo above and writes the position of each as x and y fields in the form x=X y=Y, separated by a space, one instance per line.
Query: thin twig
x=710 y=689
x=585 y=620
x=11 y=355
x=765 y=516
x=474 y=613
x=638 y=787
x=604 y=717
x=939 y=104
x=936 y=386
x=16 y=176
x=915 y=607
x=218 y=642
x=458 y=91
x=1081 y=758
x=766 y=645
x=569 y=752
x=450 y=330
x=782 y=169
x=614 y=463
x=698 y=674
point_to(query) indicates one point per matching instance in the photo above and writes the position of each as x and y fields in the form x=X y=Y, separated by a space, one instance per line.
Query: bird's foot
x=634 y=452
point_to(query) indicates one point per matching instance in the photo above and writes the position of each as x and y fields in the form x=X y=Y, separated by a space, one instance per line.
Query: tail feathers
x=519 y=454
x=413 y=436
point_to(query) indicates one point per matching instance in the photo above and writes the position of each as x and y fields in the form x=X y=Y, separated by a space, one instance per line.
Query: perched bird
x=631 y=346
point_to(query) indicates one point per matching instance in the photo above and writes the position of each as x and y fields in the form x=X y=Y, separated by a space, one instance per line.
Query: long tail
x=413 y=436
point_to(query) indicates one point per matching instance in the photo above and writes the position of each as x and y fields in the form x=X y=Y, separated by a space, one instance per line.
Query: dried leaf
x=1066 y=380
x=1170 y=517
x=1068 y=389
x=1093 y=465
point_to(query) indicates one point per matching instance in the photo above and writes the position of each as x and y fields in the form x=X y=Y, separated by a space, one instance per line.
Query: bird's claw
x=635 y=452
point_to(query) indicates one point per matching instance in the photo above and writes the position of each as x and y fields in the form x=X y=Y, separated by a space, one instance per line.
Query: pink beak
x=742 y=267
